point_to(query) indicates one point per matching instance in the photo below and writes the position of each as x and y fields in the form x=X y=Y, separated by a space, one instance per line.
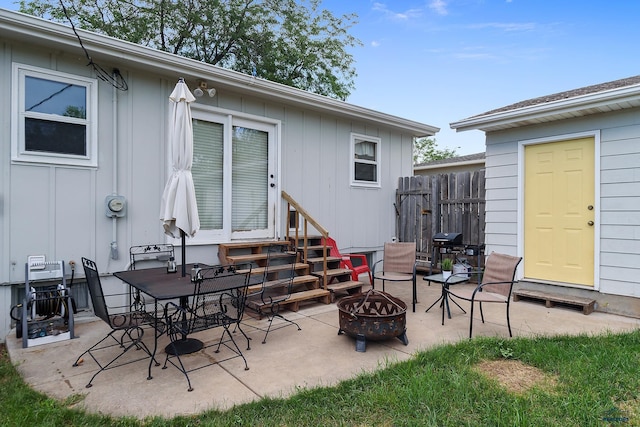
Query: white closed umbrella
x=179 y=209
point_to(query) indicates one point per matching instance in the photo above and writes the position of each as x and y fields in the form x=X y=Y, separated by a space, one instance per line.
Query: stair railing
x=308 y=219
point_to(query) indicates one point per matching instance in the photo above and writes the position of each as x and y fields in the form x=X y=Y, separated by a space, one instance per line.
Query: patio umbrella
x=179 y=209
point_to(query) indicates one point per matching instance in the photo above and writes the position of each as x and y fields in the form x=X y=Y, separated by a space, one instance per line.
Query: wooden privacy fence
x=442 y=203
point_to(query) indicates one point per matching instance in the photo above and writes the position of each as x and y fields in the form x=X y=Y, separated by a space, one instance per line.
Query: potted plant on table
x=446 y=265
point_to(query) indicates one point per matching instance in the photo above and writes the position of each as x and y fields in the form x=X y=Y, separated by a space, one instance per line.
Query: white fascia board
x=27 y=26
x=626 y=94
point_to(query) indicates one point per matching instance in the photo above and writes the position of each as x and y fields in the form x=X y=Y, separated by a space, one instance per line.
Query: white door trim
x=595 y=134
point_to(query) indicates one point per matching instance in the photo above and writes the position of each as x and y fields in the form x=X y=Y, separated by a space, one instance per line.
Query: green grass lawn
x=560 y=381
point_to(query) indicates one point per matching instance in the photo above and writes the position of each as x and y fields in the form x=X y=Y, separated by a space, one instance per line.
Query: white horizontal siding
x=620 y=208
x=619 y=202
x=620 y=246
x=621 y=232
x=504 y=216
x=502 y=228
x=501 y=198
x=620 y=287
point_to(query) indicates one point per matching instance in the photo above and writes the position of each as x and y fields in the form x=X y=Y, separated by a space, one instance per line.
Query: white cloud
x=397 y=16
x=525 y=26
x=375 y=43
x=439 y=6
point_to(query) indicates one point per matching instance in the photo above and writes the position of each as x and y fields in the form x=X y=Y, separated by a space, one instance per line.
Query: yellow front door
x=559 y=211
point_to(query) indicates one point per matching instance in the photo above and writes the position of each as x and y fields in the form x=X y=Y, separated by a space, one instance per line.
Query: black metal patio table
x=445 y=282
x=163 y=286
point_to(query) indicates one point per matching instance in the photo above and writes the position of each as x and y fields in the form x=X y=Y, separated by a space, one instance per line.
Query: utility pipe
x=114 y=175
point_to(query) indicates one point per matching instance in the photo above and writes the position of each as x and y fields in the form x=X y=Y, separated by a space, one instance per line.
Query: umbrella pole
x=186 y=345
x=184 y=254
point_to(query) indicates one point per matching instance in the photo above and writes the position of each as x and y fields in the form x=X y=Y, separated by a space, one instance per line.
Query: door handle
x=590 y=223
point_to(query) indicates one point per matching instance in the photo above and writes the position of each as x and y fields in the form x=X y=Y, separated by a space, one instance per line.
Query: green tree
x=426 y=150
x=286 y=41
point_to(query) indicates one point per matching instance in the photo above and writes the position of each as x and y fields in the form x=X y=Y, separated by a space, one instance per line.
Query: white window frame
x=228 y=120
x=357 y=138
x=18 y=115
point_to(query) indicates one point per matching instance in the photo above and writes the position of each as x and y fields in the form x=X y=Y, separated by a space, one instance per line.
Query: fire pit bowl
x=374 y=316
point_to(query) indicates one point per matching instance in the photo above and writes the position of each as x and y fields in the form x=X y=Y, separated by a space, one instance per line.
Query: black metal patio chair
x=126 y=327
x=153 y=254
x=276 y=287
x=219 y=301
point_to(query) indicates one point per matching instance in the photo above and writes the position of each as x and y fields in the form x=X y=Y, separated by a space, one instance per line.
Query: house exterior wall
x=618 y=204
x=58 y=211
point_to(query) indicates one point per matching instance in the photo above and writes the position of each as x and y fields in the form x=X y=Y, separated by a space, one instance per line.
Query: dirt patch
x=515 y=376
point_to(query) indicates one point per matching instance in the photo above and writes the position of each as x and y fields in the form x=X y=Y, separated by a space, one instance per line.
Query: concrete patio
x=291 y=359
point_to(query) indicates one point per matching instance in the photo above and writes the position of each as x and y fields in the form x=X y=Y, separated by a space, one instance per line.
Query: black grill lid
x=448 y=238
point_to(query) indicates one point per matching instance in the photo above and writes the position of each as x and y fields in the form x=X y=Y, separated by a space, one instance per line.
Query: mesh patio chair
x=497 y=282
x=276 y=288
x=219 y=301
x=126 y=327
x=398 y=264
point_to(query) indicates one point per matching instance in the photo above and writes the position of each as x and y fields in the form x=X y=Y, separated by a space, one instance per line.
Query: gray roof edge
x=468 y=159
x=589 y=96
x=25 y=25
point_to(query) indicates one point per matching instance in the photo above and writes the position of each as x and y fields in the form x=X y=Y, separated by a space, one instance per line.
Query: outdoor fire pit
x=374 y=316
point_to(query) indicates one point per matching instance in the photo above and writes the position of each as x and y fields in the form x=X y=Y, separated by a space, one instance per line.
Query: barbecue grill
x=444 y=243
x=447 y=240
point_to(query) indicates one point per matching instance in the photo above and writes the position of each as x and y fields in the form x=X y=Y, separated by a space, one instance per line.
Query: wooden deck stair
x=306 y=286
x=234 y=253
x=338 y=280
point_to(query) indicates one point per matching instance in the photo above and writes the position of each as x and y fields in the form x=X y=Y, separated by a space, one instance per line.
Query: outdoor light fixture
x=203 y=88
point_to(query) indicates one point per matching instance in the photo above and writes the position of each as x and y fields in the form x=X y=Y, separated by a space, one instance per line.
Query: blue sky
x=439 y=61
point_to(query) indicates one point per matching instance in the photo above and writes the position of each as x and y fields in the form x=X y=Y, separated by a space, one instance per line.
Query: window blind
x=207 y=171
x=249 y=179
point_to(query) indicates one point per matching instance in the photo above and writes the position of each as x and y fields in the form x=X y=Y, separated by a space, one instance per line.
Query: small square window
x=365 y=155
x=54 y=117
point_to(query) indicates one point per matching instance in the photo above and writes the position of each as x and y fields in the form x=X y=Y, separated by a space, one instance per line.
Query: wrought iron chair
x=152 y=252
x=219 y=301
x=398 y=264
x=360 y=266
x=125 y=326
x=497 y=282
x=158 y=252
x=276 y=289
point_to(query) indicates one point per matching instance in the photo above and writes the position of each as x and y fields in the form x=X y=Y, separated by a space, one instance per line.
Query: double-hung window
x=234 y=174
x=54 y=117
x=365 y=157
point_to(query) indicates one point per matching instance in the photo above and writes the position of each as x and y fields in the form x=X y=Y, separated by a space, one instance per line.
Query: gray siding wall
x=58 y=211
x=619 y=203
